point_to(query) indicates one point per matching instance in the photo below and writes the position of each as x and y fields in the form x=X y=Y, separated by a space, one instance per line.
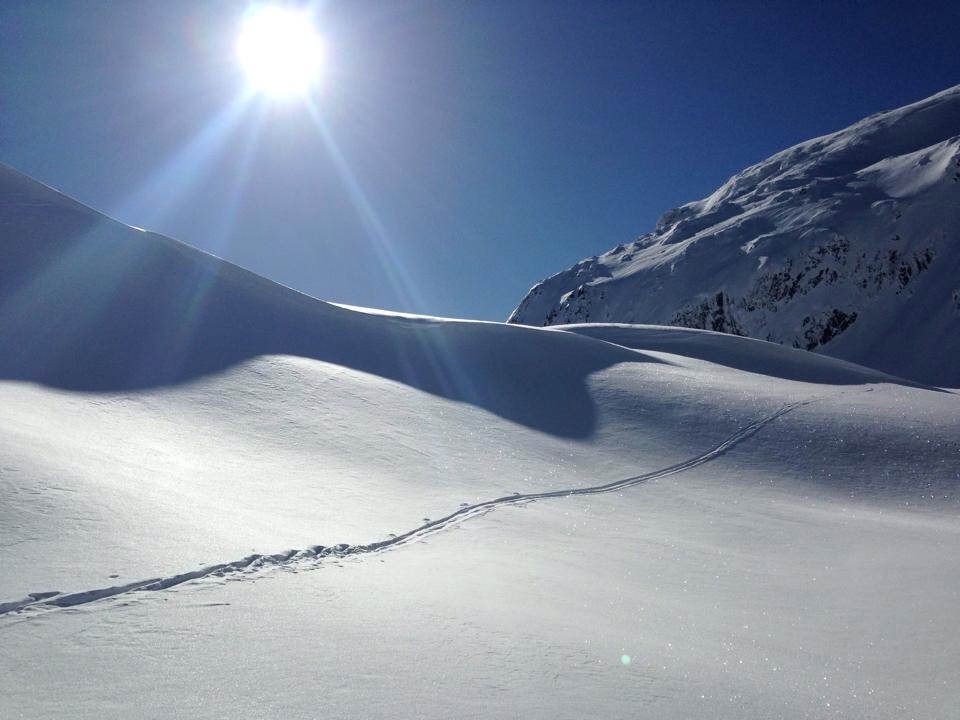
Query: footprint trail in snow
x=52 y=600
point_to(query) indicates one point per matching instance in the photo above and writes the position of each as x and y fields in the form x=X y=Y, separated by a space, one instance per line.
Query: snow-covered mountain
x=848 y=245
x=221 y=498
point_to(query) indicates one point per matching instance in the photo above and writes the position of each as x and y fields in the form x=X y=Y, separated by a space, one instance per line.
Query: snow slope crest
x=847 y=244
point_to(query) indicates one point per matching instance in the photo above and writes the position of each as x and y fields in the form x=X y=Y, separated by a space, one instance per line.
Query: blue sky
x=459 y=151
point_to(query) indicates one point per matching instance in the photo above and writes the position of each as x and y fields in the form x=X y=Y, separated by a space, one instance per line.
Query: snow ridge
x=50 y=600
x=847 y=244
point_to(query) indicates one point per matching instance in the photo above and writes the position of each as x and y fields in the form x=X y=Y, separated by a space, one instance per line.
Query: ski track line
x=55 y=600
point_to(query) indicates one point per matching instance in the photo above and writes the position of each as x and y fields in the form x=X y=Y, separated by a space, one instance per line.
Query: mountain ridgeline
x=847 y=245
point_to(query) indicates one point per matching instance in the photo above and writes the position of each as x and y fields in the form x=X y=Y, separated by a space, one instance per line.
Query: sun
x=280 y=51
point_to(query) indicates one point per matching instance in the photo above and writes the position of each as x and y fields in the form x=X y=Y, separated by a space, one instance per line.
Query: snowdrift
x=90 y=304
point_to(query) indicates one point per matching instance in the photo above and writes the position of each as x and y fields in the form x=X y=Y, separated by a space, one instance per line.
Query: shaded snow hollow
x=847 y=245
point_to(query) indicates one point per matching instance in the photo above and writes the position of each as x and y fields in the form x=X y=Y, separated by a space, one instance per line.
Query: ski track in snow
x=53 y=600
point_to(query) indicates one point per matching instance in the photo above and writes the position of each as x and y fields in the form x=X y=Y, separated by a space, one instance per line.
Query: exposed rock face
x=848 y=244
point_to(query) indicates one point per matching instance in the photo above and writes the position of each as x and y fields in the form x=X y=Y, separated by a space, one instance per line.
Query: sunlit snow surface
x=800 y=563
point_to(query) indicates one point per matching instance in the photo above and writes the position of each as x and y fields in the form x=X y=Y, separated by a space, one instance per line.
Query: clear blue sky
x=470 y=148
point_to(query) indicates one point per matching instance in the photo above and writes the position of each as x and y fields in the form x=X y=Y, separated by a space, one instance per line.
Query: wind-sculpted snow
x=254 y=562
x=848 y=244
x=754 y=356
x=89 y=304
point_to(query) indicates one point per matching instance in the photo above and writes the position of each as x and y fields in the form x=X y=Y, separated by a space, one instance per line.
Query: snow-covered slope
x=221 y=498
x=848 y=244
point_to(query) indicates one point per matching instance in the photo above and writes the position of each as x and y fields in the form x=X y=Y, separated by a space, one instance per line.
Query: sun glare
x=280 y=51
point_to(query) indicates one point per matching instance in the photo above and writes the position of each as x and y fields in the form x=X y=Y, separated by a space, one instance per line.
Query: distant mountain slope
x=848 y=245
